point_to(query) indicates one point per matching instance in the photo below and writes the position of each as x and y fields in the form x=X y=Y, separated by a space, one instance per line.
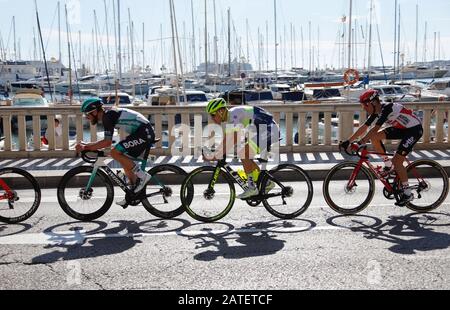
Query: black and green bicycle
x=86 y=193
x=208 y=194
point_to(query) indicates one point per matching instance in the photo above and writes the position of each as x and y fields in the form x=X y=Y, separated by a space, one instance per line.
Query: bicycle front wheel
x=81 y=203
x=20 y=195
x=206 y=204
x=349 y=188
x=163 y=191
x=292 y=194
x=430 y=191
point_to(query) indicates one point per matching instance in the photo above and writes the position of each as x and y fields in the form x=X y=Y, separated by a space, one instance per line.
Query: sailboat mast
x=276 y=39
x=70 y=56
x=267 y=46
x=15 y=41
x=417 y=34
x=398 y=41
x=350 y=35
x=115 y=37
x=107 y=36
x=43 y=49
x=206 y=39
x=174 y=52
x=369 y=58
x=434 y=46
x=425 y=49
x=292 y=46
x=303 y=47
x=395 y=37
x=59 y=36
x=143 y=46
x=247 y=35
x=216 y=40
x=79 y=47
x=194 y=56
x=229 y=42
x=131 y=39
x=119 y=54
x=310 y=48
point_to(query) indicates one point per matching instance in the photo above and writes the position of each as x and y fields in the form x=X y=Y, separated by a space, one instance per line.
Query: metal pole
x=120 y=40
x=350 y=35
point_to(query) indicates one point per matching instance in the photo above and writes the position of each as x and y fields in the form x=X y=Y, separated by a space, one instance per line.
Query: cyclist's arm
x=370 y=134
x=97 y=145
x=359 y=132
x=221 y=150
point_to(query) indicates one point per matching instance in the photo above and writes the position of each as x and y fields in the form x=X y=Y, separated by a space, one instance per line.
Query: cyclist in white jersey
x=403 y=125
x=240 y=119
x=141 y=135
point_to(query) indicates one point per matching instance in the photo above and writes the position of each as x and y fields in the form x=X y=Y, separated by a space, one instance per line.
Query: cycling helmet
x=215 y=105
x=368 y=96
x=91 y=104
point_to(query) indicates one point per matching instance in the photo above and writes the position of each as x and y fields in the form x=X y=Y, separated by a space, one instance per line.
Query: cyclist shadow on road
x=99 y=242
x=253 y=240
x=410 y=234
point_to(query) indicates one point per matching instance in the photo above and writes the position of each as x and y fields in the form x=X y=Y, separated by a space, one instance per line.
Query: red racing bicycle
x=350 y=186
x=20 y=195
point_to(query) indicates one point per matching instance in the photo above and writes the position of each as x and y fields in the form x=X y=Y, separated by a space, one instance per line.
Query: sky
x=326 y=48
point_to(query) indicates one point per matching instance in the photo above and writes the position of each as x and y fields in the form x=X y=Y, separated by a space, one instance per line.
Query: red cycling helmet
x=368 y=96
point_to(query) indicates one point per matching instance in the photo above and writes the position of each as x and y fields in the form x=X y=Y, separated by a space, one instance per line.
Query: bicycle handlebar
x=356 y=149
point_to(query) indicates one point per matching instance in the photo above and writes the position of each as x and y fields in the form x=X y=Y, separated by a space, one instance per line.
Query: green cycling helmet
x=91 y=104
x=215 y=105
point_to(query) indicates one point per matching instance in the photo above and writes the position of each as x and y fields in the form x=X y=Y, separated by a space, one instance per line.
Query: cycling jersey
x=395 y=115
x=248 y=115
x=245 y=116
x=141 y=133
x=124 y=119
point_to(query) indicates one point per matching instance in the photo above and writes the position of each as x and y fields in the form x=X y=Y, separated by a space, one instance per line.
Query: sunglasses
x=89 y=113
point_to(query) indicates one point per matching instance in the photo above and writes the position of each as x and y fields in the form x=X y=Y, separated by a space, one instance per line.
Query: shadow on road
x=78 y=243
x=253 y=240
x=9 y=230
x=409 y=234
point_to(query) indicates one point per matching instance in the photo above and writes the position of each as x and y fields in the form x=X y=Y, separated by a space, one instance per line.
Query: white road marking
x=62 y=162
x=46 y=163
x=76 y=162
x=5 y=162
x=17 y=163
x=311 y=157
x=31 y=163
x=324 y=156
x=428 y=154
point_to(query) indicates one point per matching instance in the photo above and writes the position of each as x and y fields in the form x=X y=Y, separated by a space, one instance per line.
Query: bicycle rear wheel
x=20 y=195
x=346 y=191
x=82 y=204
x=203 y=204
x=164 y=188
x=292 y=194
x=429 y=192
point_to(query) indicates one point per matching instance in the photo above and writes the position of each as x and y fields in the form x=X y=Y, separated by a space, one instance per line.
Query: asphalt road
x=386 y=247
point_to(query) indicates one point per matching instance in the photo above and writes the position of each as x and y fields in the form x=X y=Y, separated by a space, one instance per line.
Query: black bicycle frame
x=241 y=182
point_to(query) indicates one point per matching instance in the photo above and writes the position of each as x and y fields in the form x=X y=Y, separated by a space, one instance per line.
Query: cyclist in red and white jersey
x=402 y=124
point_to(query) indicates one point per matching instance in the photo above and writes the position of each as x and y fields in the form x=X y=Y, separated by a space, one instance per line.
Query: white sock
x=388 y=163
x=139 y=173
x=406 y=188
x=251 y=182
